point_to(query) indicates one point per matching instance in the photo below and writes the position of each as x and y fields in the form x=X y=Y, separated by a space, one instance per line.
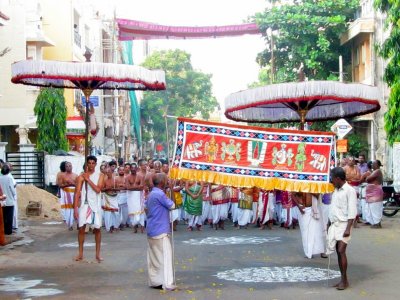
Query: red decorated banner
x=246 y=156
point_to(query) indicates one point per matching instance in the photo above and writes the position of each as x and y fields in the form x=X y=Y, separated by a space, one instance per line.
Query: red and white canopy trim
x=323 y=100
x=75 y=127
x=139 y=30
x=83 y=75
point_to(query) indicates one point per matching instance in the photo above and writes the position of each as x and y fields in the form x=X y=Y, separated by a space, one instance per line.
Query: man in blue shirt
x=159 y=254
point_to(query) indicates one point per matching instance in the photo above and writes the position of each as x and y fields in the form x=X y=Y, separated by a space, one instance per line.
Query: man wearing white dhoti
x=234 y=199
x=122 y=198
x=266 y=205
x=135 y=201
x=342 y=213
x=67 y=183
x=374 y=196
x=219 y=205
x=110 y=201
x=311 y=224
x=88 y=200
x=159 y=253
x=245 y=207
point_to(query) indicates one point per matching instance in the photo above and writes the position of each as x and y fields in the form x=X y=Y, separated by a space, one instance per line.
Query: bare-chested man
x=113 y=165
x=62 y=171
x=122 y=198
x=150 y=174
x=87 y=204
x=135 y=197
x=374 y=195
x=353 y=177
x=67 y=183
x=127 y=168
x=110 y=201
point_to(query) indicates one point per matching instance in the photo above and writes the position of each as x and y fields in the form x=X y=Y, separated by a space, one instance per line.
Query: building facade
x=367 y=67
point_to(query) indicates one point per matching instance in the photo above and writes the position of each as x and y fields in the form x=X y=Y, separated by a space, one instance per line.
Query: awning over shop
x=139 y=30
x=75 y=127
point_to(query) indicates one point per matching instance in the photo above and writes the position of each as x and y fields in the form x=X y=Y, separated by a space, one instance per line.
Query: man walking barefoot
x=88 y=199
x=342 y=212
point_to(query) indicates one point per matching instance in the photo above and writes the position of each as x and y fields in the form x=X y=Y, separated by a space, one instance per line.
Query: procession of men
x=116 y=198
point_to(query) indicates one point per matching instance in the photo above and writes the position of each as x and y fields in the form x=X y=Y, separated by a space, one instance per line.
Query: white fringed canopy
x=86 y=75
x=321 y=100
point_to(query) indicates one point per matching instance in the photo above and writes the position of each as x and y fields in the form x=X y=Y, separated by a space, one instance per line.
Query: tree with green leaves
x=390 y=50
x=188 y=92
x=51 y=114
x=304 y=32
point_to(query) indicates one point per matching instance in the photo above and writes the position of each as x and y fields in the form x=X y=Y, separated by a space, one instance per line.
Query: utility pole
x=340 y=80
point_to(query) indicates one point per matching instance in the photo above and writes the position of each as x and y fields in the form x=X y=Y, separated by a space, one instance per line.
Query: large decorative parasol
x=302 y=102
x=86 y=76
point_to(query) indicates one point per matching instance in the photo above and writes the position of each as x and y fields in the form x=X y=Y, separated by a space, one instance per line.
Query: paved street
x=44 y=268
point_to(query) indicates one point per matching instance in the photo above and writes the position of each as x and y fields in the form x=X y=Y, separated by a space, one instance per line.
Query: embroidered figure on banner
x=256 y=152
x=282 y=156
x=193 y=150
x=319 y=161
x=231 y=151
x=301 y=157
x=211 y=149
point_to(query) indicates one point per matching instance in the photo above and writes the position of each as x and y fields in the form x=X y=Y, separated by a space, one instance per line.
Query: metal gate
x=28 y=167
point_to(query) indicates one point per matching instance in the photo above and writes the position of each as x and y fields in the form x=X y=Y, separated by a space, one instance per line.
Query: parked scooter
x=391 y=201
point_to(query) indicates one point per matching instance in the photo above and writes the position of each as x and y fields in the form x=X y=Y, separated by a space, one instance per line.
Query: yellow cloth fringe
x=248 y=181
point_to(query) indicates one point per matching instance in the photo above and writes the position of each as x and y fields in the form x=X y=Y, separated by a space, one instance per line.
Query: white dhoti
x=194 y=220
x=312 y=233
x=266 y=208
x=135 y=202
x=234 y=211
x=67 y=204
x=254 y=216
x=286 y=216
x=335 y=234
x=374 y=212
x=15 y=216
x=111 y=211
x=219 y=212
x=278 y=212
x=87 y=216
x=244 y=216
x=207 y=213
x=176 y=214
x=160 y=261
x=363 y=203
x=123 y=208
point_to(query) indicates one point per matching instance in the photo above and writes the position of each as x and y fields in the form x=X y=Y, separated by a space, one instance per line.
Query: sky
x=231 y=61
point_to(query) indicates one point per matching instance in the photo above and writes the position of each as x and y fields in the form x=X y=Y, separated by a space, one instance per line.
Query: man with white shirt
x=342 y=213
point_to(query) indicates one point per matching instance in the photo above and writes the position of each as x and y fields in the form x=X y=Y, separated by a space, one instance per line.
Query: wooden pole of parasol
x=302 y=113
x=87 y=93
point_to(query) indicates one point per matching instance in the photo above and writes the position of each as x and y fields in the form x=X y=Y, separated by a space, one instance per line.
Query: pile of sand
x=50 y=204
